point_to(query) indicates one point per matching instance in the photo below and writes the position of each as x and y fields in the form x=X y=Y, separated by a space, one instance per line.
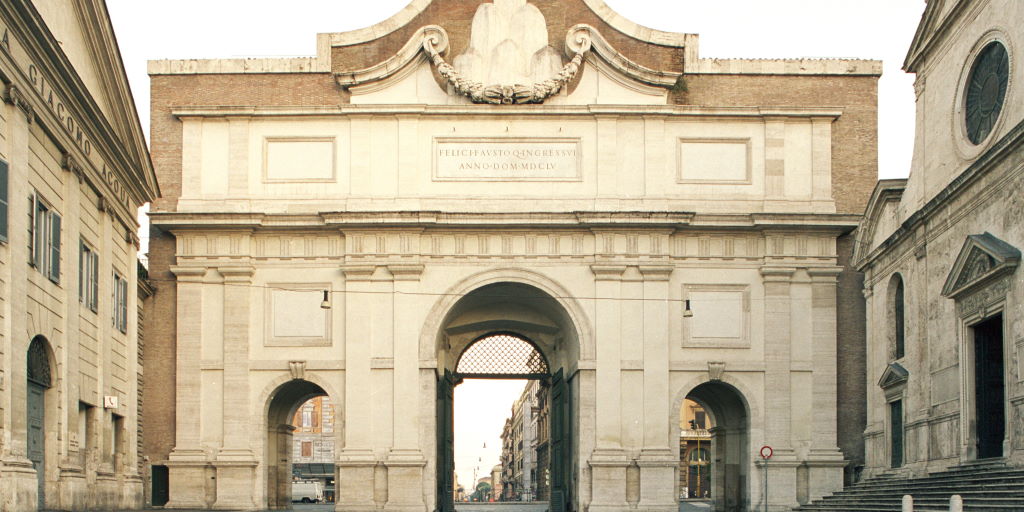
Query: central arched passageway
x=512 y=331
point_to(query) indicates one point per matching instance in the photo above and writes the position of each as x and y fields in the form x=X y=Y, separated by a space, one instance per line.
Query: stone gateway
x=656 y=226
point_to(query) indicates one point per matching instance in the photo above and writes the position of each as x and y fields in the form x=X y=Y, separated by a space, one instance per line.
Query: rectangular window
x=3 y=200
x=88 y=276
x=44 y=239
x=84 y=431
x=307 y=449
x=117 y=444
x=119 y=300
x=896 y=423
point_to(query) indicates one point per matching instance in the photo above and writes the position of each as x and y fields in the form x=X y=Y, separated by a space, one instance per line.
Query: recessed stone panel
x=294 y=316
x=721 y=315
x=298 y=159
x=714 y=161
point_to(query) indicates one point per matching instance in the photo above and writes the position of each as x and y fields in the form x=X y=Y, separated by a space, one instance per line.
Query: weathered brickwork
x=855 y=140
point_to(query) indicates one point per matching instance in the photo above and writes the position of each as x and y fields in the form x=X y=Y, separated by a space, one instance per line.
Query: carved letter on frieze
x=715 y=370
x=297 y=369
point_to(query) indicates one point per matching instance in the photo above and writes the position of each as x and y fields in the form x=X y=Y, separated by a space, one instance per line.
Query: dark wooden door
x=445 y=443
x=36 y=436
x=561 y=444
x=161 y=489
x=989 y=391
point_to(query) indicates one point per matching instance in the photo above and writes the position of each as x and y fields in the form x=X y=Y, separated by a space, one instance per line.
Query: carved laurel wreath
x=516 y=94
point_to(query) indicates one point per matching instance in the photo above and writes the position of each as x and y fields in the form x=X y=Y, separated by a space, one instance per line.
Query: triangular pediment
x=80 y=34
x=894 y=375
x=981 y=258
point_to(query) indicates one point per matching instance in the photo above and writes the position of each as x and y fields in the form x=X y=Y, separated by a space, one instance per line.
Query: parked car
x=307 y=492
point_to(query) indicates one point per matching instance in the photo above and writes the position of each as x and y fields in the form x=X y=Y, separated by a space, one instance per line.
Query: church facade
x=539 y=189
x=74 y=168
x=940 y=252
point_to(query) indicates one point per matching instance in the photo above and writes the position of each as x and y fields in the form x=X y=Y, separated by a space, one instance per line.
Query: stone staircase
x=984 y=487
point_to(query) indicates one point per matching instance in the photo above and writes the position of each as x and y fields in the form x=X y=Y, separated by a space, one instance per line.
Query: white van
x=307 y=492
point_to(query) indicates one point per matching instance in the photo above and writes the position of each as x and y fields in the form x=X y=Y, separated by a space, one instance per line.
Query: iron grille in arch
x=502 y=354
x=38 y=363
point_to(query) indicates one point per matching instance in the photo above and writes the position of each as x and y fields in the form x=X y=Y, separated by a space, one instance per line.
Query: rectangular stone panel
x=294 y=316
x=298 y=159
x=717 y=160
x=506 y=159
x=721 y=315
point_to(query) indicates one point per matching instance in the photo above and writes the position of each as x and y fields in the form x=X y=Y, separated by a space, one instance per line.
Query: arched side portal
x=278 y=449
x=730 y=444
x=40 y=380
x=510 y=330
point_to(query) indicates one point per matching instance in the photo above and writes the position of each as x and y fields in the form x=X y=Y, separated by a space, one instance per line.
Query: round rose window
x=986 y=90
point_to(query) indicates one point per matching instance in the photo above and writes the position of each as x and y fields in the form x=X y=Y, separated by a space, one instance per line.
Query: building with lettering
x=537 y=189
x=940 y=253
x=74 y=168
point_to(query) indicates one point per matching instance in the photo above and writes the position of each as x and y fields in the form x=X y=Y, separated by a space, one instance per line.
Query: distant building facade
x=74 y=168
x=652 y=226
x=519 y=447
x=941 y=251
x=313 y=444
x=695 y=455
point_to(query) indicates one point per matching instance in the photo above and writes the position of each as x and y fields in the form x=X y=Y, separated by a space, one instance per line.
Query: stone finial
x=715 y=370
x=297 y=369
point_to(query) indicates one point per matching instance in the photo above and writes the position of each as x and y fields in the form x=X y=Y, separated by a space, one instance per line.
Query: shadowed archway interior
x=729 y=441
x=278 y=452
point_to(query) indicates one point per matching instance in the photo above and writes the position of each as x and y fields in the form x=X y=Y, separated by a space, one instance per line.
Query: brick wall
x=851 y=359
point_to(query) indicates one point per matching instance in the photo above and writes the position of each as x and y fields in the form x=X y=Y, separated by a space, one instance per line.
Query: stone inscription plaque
x=506 y=159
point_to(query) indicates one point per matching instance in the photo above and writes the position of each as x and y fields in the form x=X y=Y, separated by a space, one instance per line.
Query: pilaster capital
x=238 y=275
x=188 y=274
x=824 y=275
x=608 y=272
x=15 y=97
x=358 y=272
x=406 y=272
x=656 y=272
x=777 y=274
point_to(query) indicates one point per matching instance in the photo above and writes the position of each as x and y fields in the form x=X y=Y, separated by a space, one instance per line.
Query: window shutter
x=54 y=247
x=122 y=321
x=94 y=278
x=3 y=200
x=83 y=268
x=32 y=253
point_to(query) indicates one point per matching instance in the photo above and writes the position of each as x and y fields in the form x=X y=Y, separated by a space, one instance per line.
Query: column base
x=658 y=484
x=355 y=485
x=405 y=481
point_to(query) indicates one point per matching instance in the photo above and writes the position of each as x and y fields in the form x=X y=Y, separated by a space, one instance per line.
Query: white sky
x=874 y=29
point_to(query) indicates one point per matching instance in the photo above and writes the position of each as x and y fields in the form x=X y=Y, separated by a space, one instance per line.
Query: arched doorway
x=281 y=412
x=39 y=381
x=728 y=461
x=511 y=331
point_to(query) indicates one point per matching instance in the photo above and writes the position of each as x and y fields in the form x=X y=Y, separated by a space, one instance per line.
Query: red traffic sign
x=766 y=452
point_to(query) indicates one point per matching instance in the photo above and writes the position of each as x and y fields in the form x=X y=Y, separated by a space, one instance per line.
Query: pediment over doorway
x=893 y=375
x=982 y=258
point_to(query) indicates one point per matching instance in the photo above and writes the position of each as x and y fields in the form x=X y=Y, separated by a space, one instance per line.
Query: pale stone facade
x=944 y=245
x=640 y=181
x=74 y=168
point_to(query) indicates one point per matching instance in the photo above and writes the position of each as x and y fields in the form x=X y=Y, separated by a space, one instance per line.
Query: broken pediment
x=894 y=375
x=509 y=60
x=982 y=258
